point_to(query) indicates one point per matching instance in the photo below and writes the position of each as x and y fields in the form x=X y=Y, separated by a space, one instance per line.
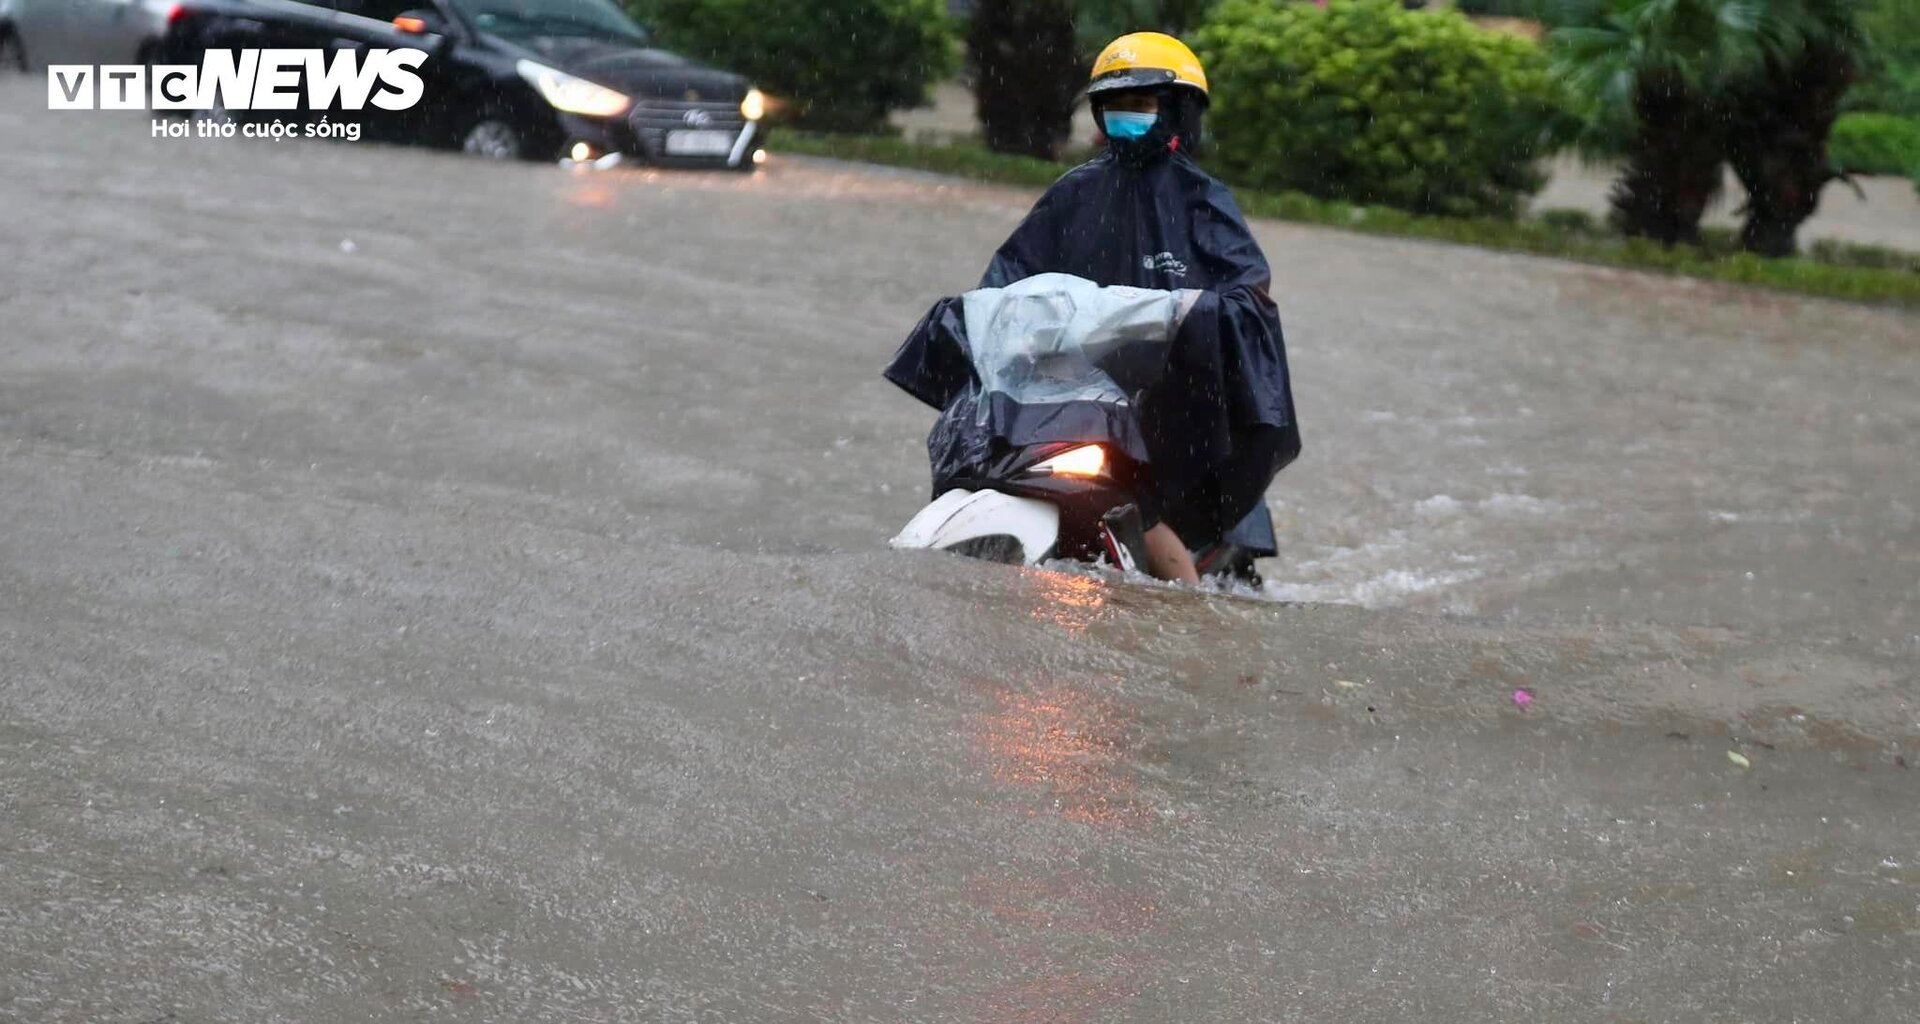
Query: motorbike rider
x=1143 y=214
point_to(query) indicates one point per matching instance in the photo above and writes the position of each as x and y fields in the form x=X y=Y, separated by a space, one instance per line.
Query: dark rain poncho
x=1167 y=225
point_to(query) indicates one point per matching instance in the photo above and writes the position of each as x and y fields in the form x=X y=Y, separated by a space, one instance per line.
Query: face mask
x=1127 y=125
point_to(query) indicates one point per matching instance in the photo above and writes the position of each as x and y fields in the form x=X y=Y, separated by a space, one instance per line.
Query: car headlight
x=754 y=107
x=571 y=94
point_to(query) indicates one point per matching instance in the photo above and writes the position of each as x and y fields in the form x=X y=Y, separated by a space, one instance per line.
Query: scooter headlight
x=572 y=94
x=1088 y=460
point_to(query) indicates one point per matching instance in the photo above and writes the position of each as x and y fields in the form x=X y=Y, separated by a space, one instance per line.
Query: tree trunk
x=1778 y=143
x=1027 y=74
x=1673 y=170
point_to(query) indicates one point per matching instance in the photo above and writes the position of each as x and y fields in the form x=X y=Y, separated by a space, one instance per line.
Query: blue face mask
x=1127 y=125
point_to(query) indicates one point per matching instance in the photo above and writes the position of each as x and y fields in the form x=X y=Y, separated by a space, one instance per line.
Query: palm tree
x=1651 y=81
x=1782 y=114
x=1027 y=73
x=1029 y=60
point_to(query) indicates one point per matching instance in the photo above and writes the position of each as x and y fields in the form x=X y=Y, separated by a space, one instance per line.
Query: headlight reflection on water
x=1069 y=743
x=1069 y=600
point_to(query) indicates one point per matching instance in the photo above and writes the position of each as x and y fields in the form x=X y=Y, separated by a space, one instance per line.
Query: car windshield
x=593 y=19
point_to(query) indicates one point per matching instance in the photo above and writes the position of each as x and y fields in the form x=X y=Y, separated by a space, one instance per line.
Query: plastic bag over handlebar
x=1056 y=338
x=1051 y=358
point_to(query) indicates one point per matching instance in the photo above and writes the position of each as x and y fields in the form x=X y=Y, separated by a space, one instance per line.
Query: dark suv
x=533 y=79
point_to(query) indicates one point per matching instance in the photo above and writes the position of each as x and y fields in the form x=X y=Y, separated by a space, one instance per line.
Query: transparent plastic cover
x=1041 y=340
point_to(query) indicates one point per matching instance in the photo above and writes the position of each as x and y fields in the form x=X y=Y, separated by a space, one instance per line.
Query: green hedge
x=1539 y=10
x=1368 y=102
x=1853 y=254
x=840 y=64
x=1892 y=82
x=1837 y=271
x=1875 y=144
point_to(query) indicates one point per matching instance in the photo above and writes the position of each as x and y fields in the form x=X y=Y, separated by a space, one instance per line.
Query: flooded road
x=436 y=590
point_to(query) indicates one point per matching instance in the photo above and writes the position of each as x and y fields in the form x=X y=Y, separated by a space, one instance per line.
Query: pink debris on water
x=1522 y=698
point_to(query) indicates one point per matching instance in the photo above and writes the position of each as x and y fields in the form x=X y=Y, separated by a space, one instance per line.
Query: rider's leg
x=1225 y=497
x=1217 y=503
x=1168 y=557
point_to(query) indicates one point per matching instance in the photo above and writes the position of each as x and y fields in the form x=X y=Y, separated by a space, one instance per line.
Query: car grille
x=653 y=119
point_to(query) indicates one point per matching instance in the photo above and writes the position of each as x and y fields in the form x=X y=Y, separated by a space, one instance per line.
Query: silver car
x=35 y=33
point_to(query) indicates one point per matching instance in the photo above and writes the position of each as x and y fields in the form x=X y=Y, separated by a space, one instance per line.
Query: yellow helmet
x=1143 y=60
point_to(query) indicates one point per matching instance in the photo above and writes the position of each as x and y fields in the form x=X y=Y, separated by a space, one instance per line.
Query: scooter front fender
x=985 y=524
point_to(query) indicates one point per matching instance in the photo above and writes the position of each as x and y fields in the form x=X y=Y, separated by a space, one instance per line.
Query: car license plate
x=699 y=143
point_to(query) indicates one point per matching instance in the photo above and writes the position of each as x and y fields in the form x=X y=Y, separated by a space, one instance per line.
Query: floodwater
x=431 y=589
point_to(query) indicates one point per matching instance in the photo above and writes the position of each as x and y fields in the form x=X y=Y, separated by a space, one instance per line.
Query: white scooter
x=1039 y=343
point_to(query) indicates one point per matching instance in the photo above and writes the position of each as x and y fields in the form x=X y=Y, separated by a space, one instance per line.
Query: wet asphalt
x=432 y=590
